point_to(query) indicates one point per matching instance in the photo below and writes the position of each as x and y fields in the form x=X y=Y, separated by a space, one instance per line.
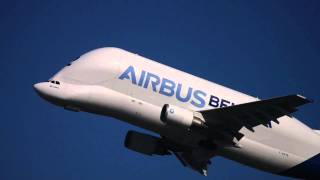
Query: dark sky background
x=262 y=48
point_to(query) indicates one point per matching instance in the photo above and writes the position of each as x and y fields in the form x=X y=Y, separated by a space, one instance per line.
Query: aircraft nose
x=45 y=91
x=55 y=93
x=40 y=88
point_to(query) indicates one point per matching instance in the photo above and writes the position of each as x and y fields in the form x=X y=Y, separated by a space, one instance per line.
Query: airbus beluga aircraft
x=195 y=119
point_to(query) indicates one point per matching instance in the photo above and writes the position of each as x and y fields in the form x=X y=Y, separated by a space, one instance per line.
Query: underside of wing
x=197 y=159
x=228 y=121
x=218 y=127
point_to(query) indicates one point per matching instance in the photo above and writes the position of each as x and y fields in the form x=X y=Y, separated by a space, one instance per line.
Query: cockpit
x=54 y=82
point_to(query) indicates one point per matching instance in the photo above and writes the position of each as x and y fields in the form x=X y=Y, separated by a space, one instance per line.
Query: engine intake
x=180 y=117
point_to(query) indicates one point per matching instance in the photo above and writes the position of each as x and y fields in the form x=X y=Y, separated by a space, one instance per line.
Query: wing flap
x=197 y=159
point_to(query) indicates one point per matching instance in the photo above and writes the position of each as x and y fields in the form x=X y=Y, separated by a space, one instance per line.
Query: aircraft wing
x=197 y=159
x=226 y=122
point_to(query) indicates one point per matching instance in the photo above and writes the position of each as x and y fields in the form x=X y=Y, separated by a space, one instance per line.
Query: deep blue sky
x=265 y=49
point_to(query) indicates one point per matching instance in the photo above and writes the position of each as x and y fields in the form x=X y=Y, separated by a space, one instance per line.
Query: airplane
x=195 y=119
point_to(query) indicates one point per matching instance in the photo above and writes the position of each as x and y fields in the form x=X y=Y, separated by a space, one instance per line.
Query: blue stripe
x=309 y=169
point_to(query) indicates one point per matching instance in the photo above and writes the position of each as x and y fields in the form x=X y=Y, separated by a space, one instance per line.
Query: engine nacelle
x=180 y=117
x=145 y=144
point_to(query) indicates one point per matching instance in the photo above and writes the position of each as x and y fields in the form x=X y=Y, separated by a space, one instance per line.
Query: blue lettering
x=178 y=94
x=224 y=103
x=127 y=73
x=197 y=95
x=143 y=74
x=214 y=101
x=167 y=87
x=155 y=80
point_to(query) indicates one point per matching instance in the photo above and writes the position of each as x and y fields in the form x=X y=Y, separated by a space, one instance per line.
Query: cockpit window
x=55 y=82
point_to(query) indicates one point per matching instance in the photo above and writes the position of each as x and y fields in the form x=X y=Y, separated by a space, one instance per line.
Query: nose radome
x=54 y=93
x=40 y=88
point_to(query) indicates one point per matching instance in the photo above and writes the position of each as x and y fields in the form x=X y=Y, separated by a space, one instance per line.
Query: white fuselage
x=114 y=82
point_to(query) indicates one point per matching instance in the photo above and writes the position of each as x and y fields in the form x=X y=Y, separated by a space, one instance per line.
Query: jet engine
x=180 y=117
x=145 y=144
